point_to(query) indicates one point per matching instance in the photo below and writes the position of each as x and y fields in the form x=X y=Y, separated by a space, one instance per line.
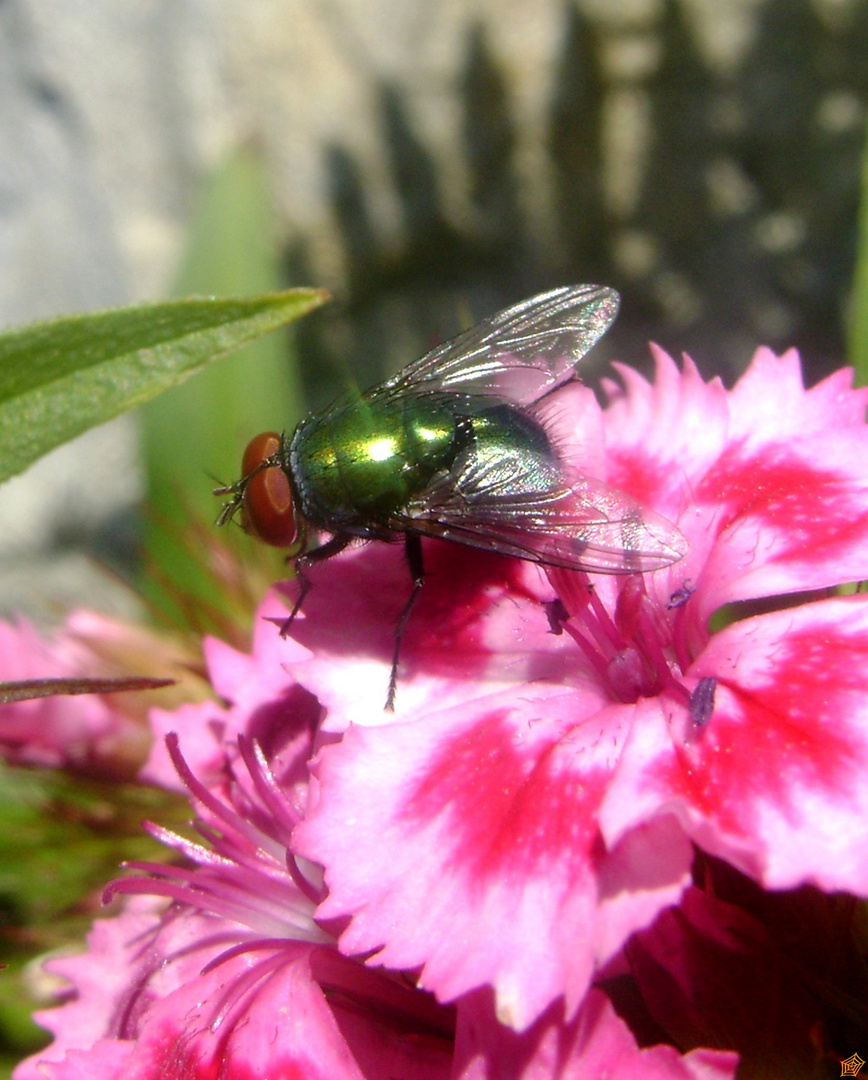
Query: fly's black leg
x=413 y=552
x=319 y=554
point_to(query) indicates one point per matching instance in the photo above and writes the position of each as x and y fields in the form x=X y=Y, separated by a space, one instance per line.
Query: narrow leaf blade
x=59 y=378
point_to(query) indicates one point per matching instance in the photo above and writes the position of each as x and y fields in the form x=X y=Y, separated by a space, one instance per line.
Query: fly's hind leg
x=413 y=553
x=319 y=554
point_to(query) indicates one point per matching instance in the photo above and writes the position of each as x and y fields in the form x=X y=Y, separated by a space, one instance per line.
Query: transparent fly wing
x=519 y=354
x=578 y=523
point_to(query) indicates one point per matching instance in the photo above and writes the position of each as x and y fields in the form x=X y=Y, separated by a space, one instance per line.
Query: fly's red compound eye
x=268 y=512
x=259 y=449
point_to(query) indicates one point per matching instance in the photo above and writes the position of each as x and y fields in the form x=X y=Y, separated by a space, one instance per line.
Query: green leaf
x=59 y=378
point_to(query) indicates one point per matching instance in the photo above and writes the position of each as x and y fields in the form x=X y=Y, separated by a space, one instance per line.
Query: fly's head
x=263 y=495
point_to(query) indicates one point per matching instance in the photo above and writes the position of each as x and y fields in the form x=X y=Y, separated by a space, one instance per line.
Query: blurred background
x=428 y=162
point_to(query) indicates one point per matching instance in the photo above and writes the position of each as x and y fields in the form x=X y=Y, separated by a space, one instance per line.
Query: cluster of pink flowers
x=586 y=840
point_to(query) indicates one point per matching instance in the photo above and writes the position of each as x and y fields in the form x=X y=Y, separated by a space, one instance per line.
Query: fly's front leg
x=413 y=553
x=319 y=554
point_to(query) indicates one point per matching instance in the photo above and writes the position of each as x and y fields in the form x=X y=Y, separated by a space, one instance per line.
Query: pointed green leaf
x=59 y=378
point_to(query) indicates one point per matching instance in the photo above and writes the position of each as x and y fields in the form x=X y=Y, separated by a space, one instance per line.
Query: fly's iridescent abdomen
x=513 y=451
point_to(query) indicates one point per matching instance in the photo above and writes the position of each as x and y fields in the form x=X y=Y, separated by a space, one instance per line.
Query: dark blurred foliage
x=746 y=212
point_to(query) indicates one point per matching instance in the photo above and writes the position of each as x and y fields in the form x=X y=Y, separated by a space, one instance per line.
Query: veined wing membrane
x=517 y=355
x=583 y=525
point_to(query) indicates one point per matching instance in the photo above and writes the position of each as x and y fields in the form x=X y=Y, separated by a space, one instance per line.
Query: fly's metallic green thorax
x=354 y=465
x=360 y=465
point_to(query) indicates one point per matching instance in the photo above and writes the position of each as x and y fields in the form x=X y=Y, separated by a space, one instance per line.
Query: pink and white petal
x=595 y=1045
x=438 y=835
x=790 y=488
x=644 y=872
x=264 y=703
x=101 y=978
x=773 y=783
x=775 y=498
x=201 y=728
x=258 y=1013
x=658 y=434
x=347 y=625
x=786 y=516
x=108 y=1059
x=133 y=960
x=479 y=624
x=286 y=1029
x=283 y=1027
x=249 y=679
x=769 y=403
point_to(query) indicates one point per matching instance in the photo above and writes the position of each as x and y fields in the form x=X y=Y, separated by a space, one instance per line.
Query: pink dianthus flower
x=537 y=797
x=236 y=979
x=497 y=853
